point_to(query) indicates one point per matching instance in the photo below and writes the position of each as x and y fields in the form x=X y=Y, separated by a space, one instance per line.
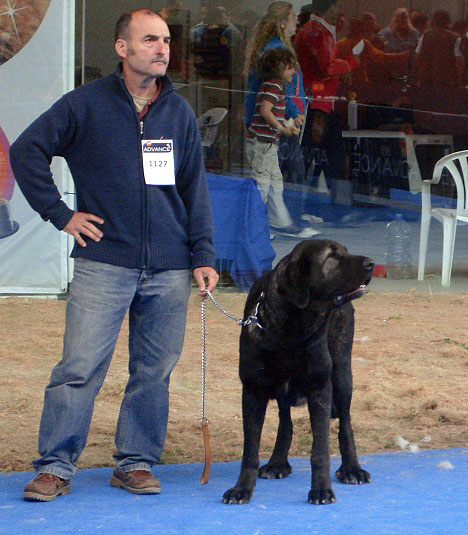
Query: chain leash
x=221 y=309
x=203 y=356
x=250 y=320
x=204 y=421
x=243 y=323
x=203 y=360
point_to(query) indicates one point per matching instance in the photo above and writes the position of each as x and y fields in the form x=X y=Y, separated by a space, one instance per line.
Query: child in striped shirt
x=276 y=67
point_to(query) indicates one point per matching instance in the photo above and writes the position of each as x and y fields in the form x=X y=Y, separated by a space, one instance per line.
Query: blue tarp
x=241 y=228
x=410 y=493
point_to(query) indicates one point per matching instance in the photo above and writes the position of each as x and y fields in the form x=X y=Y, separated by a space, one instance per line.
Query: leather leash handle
x=206 y=441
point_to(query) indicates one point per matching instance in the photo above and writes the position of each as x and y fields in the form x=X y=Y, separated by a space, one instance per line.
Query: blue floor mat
x=410 y=493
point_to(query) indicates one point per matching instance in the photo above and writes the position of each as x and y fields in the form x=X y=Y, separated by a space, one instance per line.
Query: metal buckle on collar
x=253 y=320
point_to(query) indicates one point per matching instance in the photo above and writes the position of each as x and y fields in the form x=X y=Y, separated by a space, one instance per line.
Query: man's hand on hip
x=208 y=274
x=81 y=223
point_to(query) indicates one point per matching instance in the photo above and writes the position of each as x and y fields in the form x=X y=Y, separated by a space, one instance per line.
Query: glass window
x=384 y=97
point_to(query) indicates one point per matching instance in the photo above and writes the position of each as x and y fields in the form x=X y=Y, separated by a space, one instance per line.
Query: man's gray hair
x=121 y=26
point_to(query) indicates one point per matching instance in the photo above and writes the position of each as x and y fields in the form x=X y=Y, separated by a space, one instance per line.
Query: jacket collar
x=325 y=24
x=167 y=86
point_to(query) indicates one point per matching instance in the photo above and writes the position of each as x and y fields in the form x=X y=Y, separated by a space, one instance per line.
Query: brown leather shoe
x=136 y=481
x=45 y=488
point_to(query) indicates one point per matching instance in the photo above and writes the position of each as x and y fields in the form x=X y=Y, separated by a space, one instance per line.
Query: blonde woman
x=400 y=35
x=275 y=30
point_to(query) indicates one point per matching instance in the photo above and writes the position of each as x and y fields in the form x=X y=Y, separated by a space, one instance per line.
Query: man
x=143 y=221
x=316 y=52
x=439 y=56
x=214 y=43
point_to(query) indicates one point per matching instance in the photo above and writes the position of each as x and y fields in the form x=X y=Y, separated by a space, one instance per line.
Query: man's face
x=145 y=51
x=370 y=24
x=332 y=15
x=402 y=20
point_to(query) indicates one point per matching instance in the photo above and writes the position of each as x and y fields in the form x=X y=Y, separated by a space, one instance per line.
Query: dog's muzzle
x=341 y=299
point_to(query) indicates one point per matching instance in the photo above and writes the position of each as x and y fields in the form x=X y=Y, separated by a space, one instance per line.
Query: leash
x=251 y=320
x=204 y=421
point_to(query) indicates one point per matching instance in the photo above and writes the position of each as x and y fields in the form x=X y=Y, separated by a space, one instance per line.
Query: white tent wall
x=34 y=258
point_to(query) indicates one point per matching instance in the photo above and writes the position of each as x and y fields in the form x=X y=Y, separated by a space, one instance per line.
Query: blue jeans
x=100 y=296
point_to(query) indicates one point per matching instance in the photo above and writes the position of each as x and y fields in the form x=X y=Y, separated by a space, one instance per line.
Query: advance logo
x=157 y=147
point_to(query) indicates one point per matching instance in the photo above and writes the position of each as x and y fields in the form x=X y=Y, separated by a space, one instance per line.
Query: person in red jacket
x=369 y=54
x=317 y=55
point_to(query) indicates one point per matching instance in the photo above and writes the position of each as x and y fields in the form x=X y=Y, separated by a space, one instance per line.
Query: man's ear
x=121 y=48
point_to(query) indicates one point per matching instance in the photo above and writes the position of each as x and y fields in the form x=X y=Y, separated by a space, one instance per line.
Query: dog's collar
x=253 y=320
x=337 y=301
x=341 y=299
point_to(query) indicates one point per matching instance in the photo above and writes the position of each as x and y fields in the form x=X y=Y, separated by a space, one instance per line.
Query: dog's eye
x=334 y=254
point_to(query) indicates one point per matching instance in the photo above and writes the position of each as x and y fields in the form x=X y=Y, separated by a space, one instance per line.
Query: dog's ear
x=292 y=283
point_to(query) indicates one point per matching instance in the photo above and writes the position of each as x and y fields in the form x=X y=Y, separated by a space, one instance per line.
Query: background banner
x=36 y=43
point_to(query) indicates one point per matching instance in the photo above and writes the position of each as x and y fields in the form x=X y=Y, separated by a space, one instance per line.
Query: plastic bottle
x=398 y=253
x=352 y=112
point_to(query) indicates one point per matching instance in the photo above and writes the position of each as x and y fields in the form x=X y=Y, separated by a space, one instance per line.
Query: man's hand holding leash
x=202 y=274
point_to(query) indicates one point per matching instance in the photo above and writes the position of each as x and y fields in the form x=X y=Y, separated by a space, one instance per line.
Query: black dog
x=297 y=348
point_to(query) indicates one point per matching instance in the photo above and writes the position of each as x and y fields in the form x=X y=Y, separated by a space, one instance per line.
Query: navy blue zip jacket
x=96 y=129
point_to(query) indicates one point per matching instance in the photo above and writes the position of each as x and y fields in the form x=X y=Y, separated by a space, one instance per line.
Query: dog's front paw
x=275 y=470
x=321 y=497
x=236 y=495
x=353 y=476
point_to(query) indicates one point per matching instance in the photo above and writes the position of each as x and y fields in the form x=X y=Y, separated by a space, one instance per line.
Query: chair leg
x=450 y=227
x=425 y=223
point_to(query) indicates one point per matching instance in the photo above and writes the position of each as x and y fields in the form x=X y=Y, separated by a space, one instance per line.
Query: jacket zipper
x=145 y=195
x=146 y=208
x=146 y=242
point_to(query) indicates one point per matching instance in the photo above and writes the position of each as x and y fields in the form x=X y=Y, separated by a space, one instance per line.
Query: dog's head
x=321 y=270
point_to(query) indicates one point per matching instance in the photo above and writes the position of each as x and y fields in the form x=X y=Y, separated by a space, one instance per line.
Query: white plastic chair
x=457 y=165
x=208 y=125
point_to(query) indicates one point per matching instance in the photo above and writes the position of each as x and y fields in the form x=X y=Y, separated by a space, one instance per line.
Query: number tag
x=158 y=162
